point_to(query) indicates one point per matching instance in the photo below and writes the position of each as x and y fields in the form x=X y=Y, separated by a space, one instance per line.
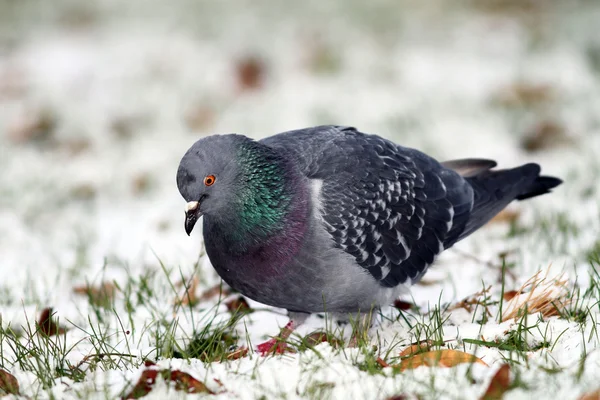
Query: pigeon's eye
x=209 y=180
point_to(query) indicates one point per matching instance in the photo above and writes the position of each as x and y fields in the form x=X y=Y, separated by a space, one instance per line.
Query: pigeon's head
x=234 y=179
x=209 y=176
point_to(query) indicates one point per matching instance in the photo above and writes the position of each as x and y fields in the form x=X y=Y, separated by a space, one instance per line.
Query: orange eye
x=209 y=180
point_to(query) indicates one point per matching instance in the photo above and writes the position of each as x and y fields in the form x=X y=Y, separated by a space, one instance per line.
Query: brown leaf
x=8 y=383
x=510 y=294
x=438 y=358
x=250 y=73
x=403 y=305
x=523 y=94
x=239 y=304
x=47 y=325
x=499 y=384
x=141 y=183
x=239 y=353
x=200 y=117
x=189 y=297
x=544 y=135
x=539 y=295
x=382 y=362
x=35 y=126
x=506 y=216
x=186 y=382
x=183 y=382
x=98 y=295
x=218 y=289
x=143 y=385
x=416 y=348
x=595 y=395
x=318 y=337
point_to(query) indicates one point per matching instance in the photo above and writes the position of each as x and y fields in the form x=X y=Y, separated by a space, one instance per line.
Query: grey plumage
x=364 y=217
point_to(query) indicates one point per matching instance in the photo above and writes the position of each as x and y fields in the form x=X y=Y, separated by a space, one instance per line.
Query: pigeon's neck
x=268 y=214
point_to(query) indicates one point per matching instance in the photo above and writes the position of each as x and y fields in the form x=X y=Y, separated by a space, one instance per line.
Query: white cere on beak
x=191 y=206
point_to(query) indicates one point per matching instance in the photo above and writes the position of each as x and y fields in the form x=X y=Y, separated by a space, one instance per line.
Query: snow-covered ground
x=99 y=101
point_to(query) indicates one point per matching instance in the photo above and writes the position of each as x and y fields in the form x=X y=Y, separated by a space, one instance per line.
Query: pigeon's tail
x=494 y=190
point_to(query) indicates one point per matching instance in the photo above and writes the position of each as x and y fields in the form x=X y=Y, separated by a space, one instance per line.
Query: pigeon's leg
x=277 y=344
x=360 y=328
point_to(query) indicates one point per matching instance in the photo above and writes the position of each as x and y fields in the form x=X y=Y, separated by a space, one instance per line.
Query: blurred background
x=99 y=101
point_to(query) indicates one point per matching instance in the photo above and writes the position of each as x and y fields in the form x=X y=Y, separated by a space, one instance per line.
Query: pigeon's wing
x=392 y=208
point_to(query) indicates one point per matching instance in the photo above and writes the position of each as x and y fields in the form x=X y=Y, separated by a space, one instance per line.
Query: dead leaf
x=416 y=348
x=544 y=135
x=539 y=295
x=218 y=289
x=499 y=384
x=8 y=383
x=250 y=73
x=187 y=383
x=34 y=126
x=382 y=362
x=403 y=305
x=239 y=304
x=98 y=295
x=239 y=353
x=200 y=117
x=595 y=395
x=510 y=294
x=183 y=382
x=438 y=358
x=83 y=191
x=47 y=325
x=523 y=94
x=319 y=337
x=189 y=297
x=141 y=183
x=506 y=216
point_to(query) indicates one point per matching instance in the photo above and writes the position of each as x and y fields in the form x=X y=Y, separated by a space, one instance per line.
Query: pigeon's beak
x=192 y=213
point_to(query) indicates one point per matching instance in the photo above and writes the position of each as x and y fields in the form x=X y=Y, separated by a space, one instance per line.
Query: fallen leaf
x=416 y=348
x=595 y=395
x=189 y=297
x=98 y=295
x=200 y=117
x=47 y=325
x=510 y=294
x=219 y=289
x=318 y=337
x=8 y=383
x=239 y=304
x=141 y=183
x=187 y=383
x=34 y=126
x=143 y=385
x=499 y=384
x=183 y=382
x=382 y=362
x=250 y=73
x=544 y=135
x=403 y=305
x=506 y=216
x=438 y=358
x=523 y=94
x=83 y=191
x=239 y=353
x=539 y=295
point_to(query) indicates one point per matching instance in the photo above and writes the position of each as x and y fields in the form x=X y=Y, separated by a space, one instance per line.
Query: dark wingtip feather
x=541 y=185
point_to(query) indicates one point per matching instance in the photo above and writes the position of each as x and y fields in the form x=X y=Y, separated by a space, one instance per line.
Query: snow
x=97 y=201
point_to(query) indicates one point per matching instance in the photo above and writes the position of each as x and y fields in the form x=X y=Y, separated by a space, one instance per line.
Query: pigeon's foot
x=277 y=345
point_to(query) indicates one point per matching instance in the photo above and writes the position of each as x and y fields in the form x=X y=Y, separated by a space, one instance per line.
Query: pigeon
x=330 y=219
